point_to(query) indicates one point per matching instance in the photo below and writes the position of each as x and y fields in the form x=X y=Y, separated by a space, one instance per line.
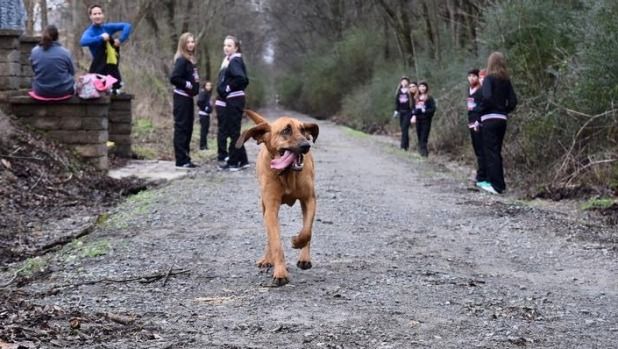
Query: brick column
x=82 y=125
x=27 y=43
x=120 y=119
x=10 y=64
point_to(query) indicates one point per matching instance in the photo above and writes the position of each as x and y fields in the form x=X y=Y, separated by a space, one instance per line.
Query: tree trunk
x=29 y=6
x=403 y=31
x=187 y=16
x=431 y=24
x=43 y=6
x=171 y=22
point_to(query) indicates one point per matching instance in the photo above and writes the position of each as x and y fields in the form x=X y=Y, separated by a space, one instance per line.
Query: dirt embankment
x=42 y=184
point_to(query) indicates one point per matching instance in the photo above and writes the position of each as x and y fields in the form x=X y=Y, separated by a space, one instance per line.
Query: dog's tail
x=257 y=118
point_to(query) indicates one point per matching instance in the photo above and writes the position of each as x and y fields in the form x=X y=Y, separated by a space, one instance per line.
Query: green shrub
x=538 y=35
x=318 y=86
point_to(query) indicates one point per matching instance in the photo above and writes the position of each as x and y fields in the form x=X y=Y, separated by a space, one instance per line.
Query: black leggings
x=404 y=124
x=183 y=128
x=221 y=129
x=493 y=131
x=204 y=128
x=477 y=145
x=233 y=120
x=423 y=126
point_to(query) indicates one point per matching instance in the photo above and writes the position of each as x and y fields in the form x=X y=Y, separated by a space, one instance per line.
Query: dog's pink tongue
x=284 y=161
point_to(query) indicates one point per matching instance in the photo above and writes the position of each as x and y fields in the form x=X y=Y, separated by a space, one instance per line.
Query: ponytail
x=50 y=34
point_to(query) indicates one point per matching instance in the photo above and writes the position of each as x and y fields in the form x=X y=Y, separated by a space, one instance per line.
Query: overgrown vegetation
x=562 y=139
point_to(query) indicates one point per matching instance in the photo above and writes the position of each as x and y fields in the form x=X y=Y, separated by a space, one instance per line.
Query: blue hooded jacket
x=92 y=36
x=53 y=71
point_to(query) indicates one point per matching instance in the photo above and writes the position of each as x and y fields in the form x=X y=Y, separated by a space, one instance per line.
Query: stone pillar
x=27 y=43
x=10 y=64
x=120 y=119
x=82 y=125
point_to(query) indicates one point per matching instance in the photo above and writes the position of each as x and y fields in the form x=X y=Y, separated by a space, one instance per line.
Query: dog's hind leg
x=303 y=239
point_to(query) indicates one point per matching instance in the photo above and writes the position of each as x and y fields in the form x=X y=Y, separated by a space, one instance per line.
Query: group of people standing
x=414 y=105
x=53 y=64
x=229 y=104
x=490 y=100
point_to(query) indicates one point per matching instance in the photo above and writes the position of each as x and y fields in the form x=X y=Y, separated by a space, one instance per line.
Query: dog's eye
x=286 y=131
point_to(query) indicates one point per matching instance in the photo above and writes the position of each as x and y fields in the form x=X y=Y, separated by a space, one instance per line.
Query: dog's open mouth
x=288 y=159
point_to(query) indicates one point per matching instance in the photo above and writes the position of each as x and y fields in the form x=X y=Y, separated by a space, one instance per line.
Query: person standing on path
x=185 y=80
x=474 y=123
x=205 y=109
x=404 y=100
x=105 y=49
x=498 y=100
x=424 y=109
x=231 y=89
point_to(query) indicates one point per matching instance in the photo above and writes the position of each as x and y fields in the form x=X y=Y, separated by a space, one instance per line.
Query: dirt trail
x=404 y=256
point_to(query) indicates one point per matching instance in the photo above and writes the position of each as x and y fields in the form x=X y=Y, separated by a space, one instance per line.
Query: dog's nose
x=304 y=147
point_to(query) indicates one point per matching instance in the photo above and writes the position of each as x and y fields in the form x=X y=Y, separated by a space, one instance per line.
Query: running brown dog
x=285 y=170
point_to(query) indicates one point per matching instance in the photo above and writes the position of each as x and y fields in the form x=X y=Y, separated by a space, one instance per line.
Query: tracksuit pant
x=423 y=126
x=493 y=131
x=183 y=128
x=233 y=120
x=221 y=129
x=204 y=128
x=477 y=145
x=404 y=124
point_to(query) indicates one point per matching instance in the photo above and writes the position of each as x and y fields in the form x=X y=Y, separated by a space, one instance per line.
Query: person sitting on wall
x=53 y=68
x=104 y=48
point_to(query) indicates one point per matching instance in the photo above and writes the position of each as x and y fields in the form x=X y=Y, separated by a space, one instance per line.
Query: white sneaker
x=487 y=187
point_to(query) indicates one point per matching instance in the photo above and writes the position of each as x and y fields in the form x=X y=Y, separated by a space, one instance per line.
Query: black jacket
x=233 y=78
x=498 y=96
x=203 y=102
x=185 y=71
x=429 y=108
x=403 y=101
x=473 y=103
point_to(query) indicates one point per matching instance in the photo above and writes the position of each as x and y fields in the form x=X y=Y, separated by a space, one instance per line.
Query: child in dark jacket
x=205 y=109
x=473 y=104
x=231 y=87
x=185 y=80
x=497 y=102
x=424 y=108
x=403 y=107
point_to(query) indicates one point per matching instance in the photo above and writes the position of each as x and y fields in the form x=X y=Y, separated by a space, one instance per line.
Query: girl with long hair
x=498 y=100
x=231 y=87
x=185 y=80
x=404 y=99
x=424 y=108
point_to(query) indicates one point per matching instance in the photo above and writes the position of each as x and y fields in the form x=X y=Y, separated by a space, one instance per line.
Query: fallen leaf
x=6 y=164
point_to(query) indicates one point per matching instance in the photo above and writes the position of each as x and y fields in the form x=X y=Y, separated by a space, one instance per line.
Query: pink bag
x=91 y=86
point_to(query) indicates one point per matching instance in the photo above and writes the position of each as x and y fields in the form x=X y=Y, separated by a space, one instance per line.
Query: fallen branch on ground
x=142 y=279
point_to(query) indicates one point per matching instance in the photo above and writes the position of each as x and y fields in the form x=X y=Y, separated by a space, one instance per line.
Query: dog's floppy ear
x=257 y=118
x=313 y=129
x=256 y=132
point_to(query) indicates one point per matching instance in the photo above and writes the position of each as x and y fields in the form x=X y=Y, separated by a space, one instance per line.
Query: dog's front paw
x=280 y=281
x=264 y=263
x=304 y=265
x=280 y=276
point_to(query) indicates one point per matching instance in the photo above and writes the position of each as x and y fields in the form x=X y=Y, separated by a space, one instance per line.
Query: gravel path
x=404 y=256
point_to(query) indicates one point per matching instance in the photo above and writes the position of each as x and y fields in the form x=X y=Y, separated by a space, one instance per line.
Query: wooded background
x=342 y=59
